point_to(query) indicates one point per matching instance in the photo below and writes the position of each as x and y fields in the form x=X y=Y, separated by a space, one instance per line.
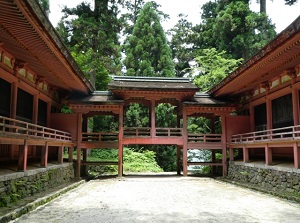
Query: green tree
x=213 y=67
x=238 y=30
x=147 y=51
x=92 y=37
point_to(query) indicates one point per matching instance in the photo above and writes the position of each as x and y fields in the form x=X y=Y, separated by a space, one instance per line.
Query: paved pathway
x=163 y=199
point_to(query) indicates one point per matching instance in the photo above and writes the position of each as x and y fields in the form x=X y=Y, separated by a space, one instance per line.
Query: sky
x=280 y=14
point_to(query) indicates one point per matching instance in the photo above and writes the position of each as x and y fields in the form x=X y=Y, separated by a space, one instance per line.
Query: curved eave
x=280 y=55
x=27 y=34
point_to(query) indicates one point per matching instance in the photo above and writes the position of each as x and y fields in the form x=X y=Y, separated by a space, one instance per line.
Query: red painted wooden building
x=258 y=104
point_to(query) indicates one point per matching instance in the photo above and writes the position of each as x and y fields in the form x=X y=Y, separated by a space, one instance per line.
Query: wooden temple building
x=258 y=104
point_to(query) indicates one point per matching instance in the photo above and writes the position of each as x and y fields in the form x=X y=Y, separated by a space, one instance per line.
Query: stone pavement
x=163 y=199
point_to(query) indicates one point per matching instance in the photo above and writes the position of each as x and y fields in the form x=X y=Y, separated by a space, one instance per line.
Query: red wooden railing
x=146 y=132
x=99 y=136
x=204 y=137
x=19 y=129
x=286 y=133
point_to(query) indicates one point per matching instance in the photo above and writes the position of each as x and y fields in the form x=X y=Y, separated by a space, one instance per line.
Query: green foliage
x=143 y=161
x=65 y=109
x=45 y=6
x=105 y=123
x=236 y=29
x=92 y=38
x=136 y=115
x=104 y=154
x=165 y=115
x=133 y=161
x=147 y=52
x=212 y=67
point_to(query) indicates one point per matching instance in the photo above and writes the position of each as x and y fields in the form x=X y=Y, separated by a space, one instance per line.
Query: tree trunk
x=263 y=6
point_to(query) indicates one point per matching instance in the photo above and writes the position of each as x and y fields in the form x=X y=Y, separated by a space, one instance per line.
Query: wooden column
x=120 y=141
x=70 y=156
x=23 y=152
x=268 y=155
x=245 y=154
x=296 y=155
x=252 y=118
x=84 y=151
x=79 y=138
x=152 y=109
x=49 y=114
x=178 y=160
x=60 y=157
x=14 y=98
x=35 y=114
x=185 y=139
x=44 y=155
x=269 y=113
x=295 y=99
x=231 y=154
x=213 y=152
x=224 y=143
x=13 y=113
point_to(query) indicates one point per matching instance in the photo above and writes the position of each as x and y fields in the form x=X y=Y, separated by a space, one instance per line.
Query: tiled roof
x=152 y=83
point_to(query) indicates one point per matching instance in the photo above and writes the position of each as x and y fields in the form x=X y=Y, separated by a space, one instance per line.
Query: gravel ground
x=163 y=199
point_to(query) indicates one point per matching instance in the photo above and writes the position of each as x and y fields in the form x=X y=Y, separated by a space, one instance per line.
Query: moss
x=5 y=200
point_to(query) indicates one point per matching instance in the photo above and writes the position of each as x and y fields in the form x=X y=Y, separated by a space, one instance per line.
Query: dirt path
x=163 y=199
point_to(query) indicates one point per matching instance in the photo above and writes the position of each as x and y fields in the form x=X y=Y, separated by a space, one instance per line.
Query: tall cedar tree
x=227 y=25
x=147 y=51
x=92 y=38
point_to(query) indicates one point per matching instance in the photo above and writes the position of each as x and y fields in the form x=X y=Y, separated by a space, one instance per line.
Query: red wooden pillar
x=185 y=141
x=152 y=109
x=35 y=119
x=268 y=155
x=252 y=118
x=44 y=155
x=84 y=151
x=120 y=143
x=245 y=154
x=178 y=160
x=224 y=139
x=60 y=156
x=48 y=114
x=70 y=156
x=79 y=138
x=231 y=154
x=296 y=156
x=295 y=98
x=269 y=113
x=23 y=152
x=13 y=112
